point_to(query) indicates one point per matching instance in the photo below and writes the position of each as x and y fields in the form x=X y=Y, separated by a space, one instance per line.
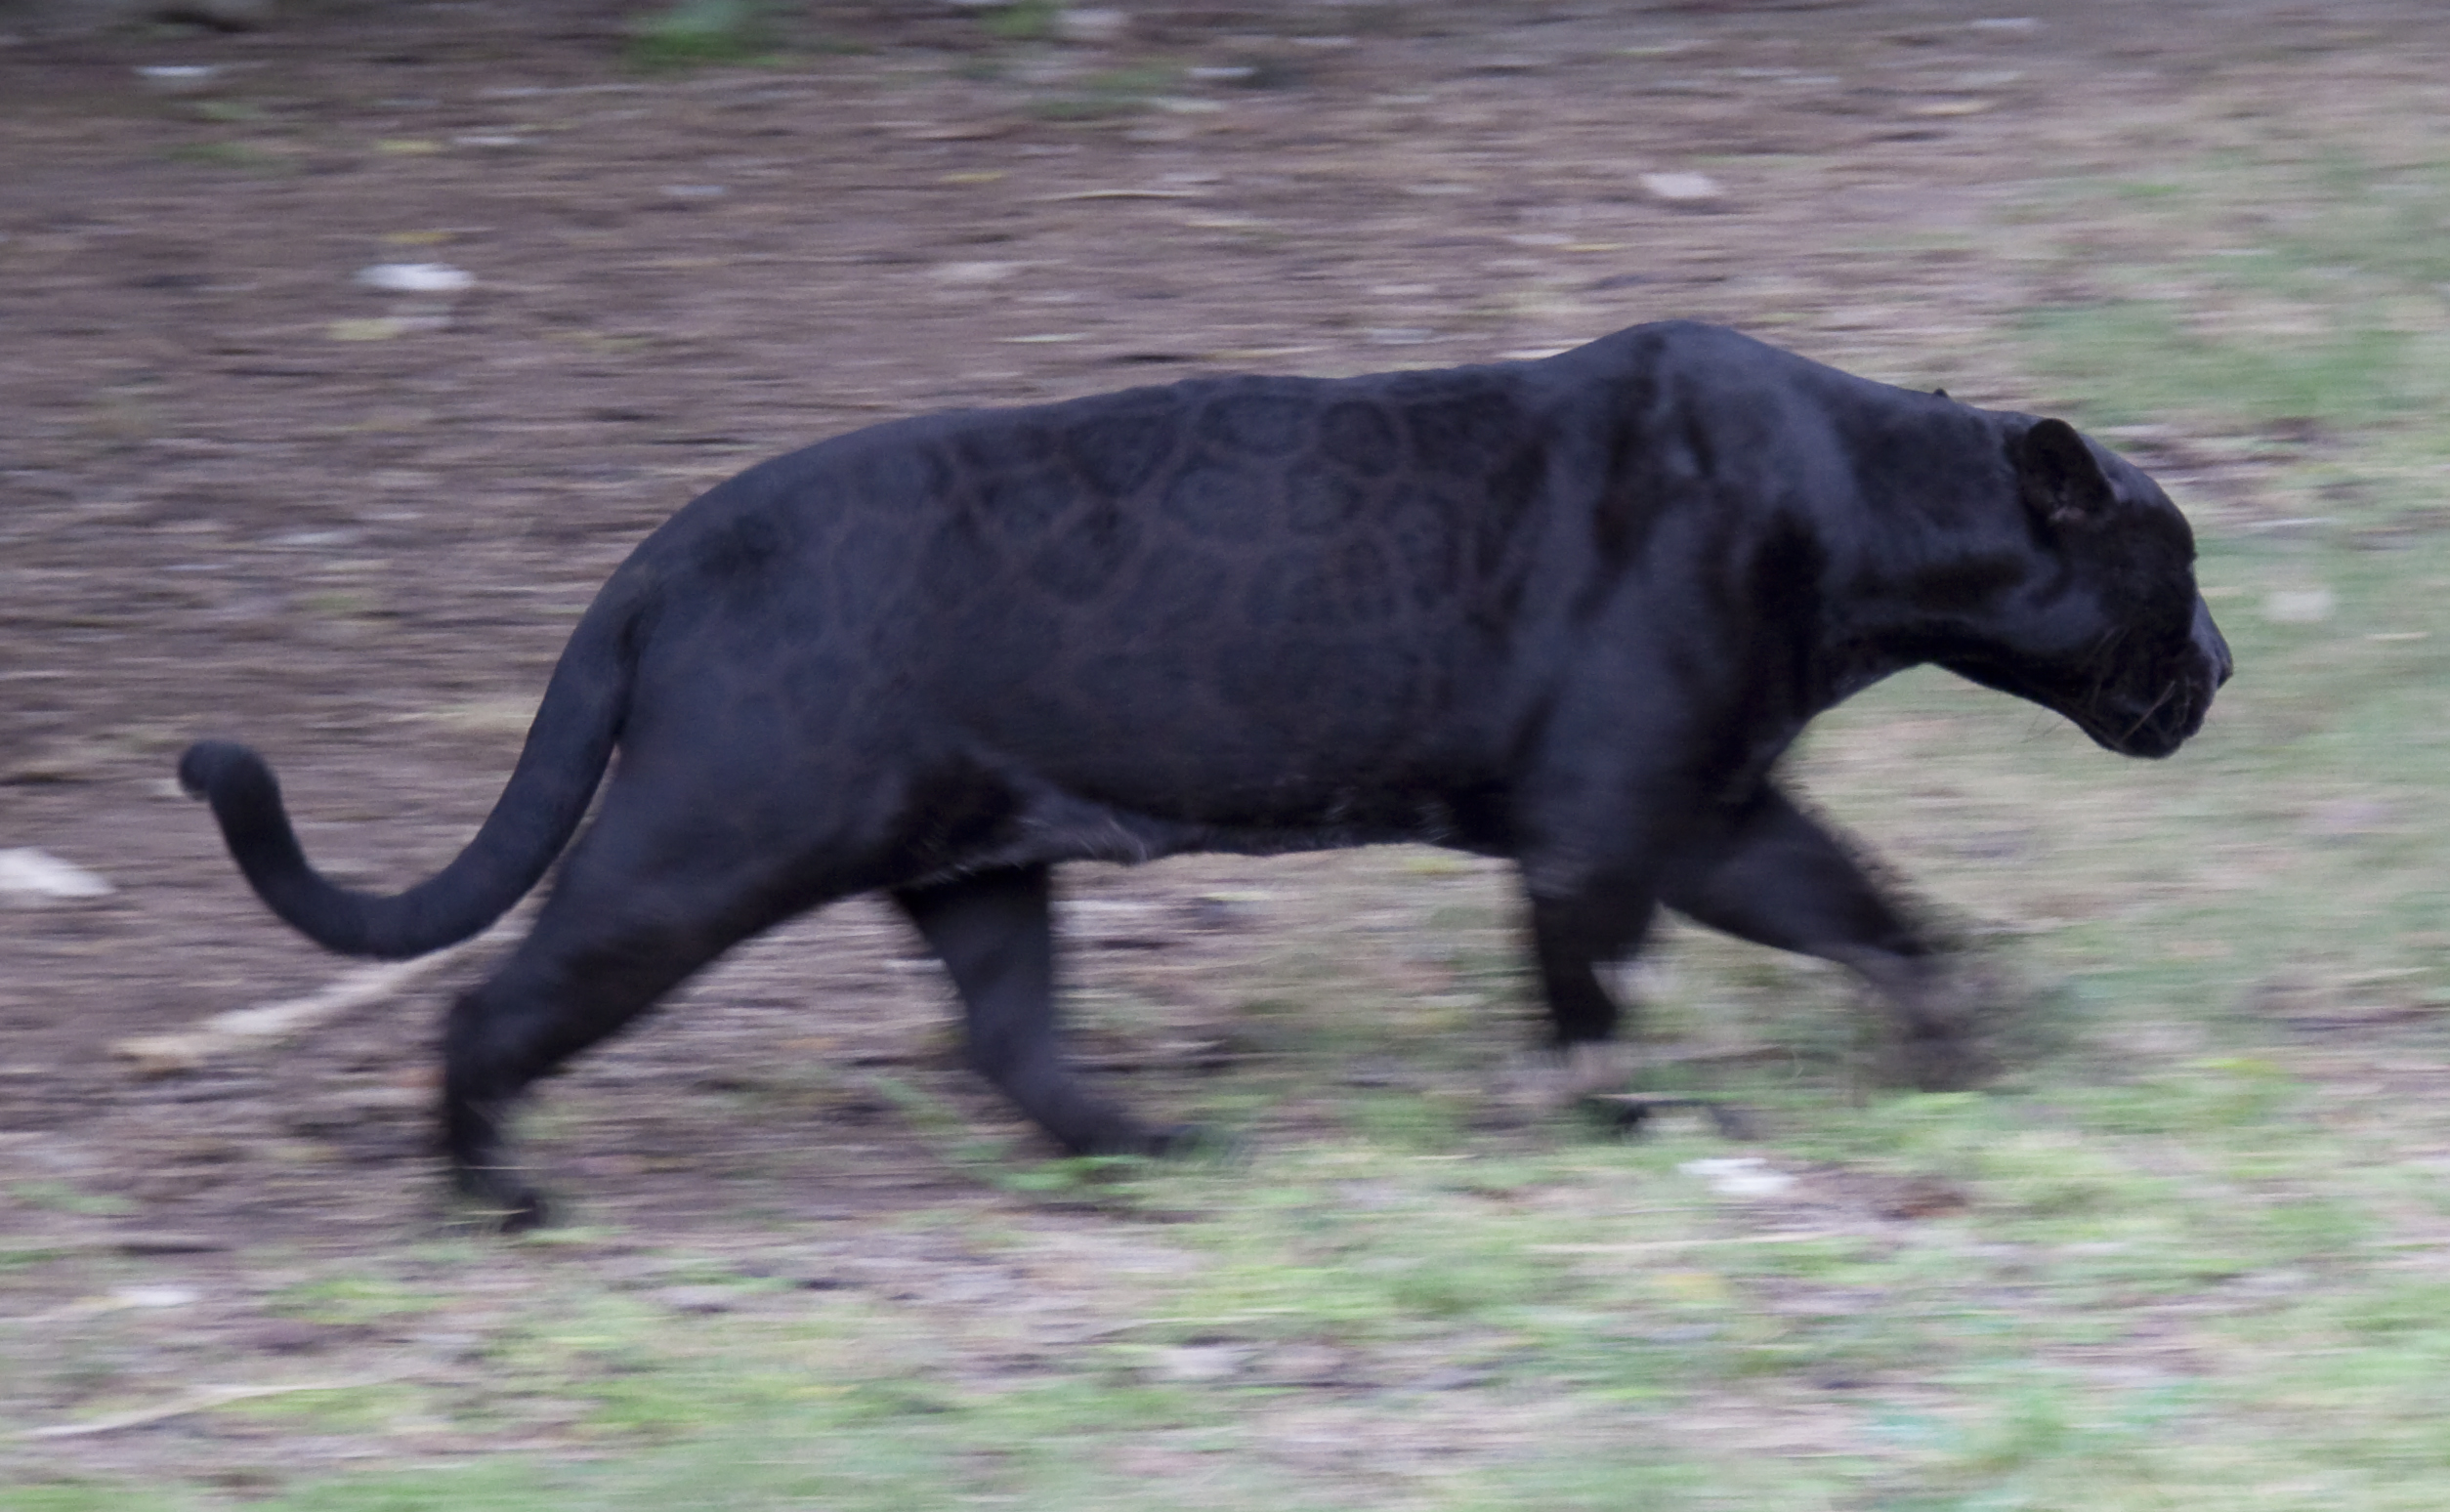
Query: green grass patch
x=60 y=1196
x=351 y=1299
x=702 y=34
x=2147 y=361
x=2278 y=291
x=1021 y=20
x=246 y=156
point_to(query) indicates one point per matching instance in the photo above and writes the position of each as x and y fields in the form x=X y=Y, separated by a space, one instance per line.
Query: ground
x=245 y=493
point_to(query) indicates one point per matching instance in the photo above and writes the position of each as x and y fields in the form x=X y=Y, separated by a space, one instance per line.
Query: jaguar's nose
x=2209 y=641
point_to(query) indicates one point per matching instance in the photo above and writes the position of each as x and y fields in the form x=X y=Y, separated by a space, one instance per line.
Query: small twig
x=1652 y=1057
x=267 y=1023
x=202 y=1400
x=1122 y=193
x=1654 y=1246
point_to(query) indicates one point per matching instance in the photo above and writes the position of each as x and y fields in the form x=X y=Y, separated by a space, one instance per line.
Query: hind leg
x=990 y=930
x=642 y=903
x=561 y=993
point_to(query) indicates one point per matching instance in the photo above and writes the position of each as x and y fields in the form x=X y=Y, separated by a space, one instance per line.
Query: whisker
x=2150 y=709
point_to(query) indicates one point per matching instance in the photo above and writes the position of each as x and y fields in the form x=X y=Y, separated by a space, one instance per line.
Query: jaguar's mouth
x=2152 y=706
x=2154 y=724
x=2150 y=720
x=2158 y=730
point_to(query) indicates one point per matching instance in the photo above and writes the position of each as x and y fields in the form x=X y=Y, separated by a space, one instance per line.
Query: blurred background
x=346 y=346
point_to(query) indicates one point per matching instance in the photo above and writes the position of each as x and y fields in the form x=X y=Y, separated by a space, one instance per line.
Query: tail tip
x=208 y=763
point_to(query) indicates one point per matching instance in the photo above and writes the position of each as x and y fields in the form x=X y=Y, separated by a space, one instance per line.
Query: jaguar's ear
x=2060 y=479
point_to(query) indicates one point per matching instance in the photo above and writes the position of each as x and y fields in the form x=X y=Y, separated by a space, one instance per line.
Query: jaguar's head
x=2109 y=629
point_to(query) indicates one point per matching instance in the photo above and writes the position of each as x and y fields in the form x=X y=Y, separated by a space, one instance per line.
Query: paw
x=492 y=1201
x=1629 y=1114
x=1945 y=1025
x=1125 y=1137
x=1953 y=1062
x=1540 y=1084
x=527 y=1211
x=1196 y=1142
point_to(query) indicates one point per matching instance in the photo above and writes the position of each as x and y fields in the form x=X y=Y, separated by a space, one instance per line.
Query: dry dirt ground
x=242 y=493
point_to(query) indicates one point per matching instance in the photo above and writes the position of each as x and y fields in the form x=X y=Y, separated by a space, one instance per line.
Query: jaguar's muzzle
x=2167 y=711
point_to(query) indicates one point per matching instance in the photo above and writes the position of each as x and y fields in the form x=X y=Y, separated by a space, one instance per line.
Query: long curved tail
x=568 y=747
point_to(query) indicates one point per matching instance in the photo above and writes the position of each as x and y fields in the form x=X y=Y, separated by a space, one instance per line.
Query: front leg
x=1772 y=875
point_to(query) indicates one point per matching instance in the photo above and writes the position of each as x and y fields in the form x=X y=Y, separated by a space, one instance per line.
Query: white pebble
x=976 y=273
x=1742 y=1176
x=1685 y=187
x=2298 y=607
x=179 y=78
x=416 y=277
x=155 y=1297
x=1092 y=25
x=41 y=875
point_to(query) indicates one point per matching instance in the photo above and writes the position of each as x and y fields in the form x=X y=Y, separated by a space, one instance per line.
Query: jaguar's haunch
x=1566 y=611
